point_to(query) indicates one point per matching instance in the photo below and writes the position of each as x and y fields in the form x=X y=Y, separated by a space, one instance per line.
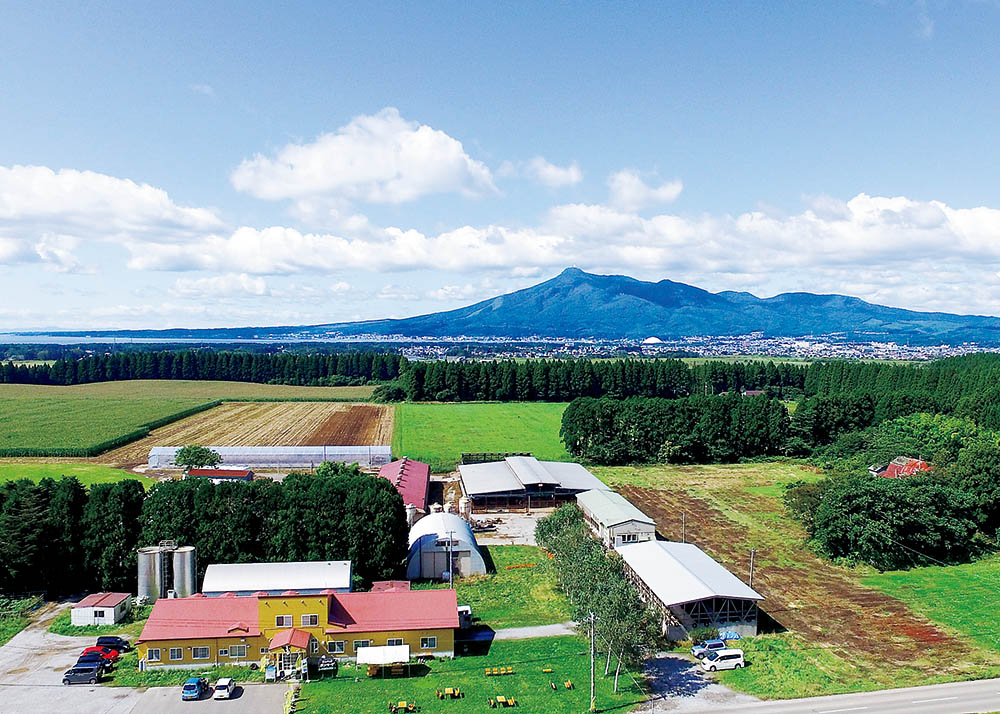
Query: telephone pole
x=753 y=552
x=683 y=528
x=451 y=564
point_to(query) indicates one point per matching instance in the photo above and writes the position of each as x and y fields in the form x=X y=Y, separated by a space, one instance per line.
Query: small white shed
x=614 y=519
x=101 y=609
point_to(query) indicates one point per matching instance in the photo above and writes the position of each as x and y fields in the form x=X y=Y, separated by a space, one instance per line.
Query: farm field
x=519 y=597
x=568 y=657
x=836 y=631
x=439 y=433
x=86 y=473
x=267 y=424
x=78 y=416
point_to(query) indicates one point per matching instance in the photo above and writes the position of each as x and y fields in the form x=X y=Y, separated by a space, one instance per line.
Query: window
x=310 y=620
x=394 y=641
x=99 y=613
x=629 y=538
x=283 y=621
x=223 y=652
x=313 y=646
x=176 y=653
x=335 y=647
x=199 y=652
x=153 y=655
x=263 y=650
x=237 y=651
x=358 y=644
x=428 y=643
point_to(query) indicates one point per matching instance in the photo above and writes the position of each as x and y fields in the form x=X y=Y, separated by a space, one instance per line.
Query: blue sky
x=228 y=164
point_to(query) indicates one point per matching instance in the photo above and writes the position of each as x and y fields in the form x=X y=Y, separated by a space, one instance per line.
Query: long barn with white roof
x=524 y=482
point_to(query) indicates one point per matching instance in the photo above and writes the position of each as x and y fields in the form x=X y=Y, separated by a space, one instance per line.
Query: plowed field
x=267 y=424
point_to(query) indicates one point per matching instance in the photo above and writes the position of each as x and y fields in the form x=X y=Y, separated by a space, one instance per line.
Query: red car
x=105 y=652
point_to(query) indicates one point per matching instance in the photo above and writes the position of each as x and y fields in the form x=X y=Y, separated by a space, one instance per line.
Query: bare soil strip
x=361 y=424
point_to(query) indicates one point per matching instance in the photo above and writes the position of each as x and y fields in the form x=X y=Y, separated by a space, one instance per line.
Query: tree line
x=688 y=430
x=301 y=369
x=59 y=537
x=626 y=628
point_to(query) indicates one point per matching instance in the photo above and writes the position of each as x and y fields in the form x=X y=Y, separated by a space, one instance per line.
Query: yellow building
x=200 y=631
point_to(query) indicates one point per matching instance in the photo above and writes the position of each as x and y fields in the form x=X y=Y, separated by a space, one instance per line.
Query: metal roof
x=253 y=577
x=103 y=600
x=682 y=572
x=610 y=508
x=514 y=473
x=442 y=524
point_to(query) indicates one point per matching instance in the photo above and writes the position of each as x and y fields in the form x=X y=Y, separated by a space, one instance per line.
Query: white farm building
x=440 y=542
x=614 y=519
x=101 y=609
x=280 y=457
x=690 y=589
x=305 y=578
x=524 y=481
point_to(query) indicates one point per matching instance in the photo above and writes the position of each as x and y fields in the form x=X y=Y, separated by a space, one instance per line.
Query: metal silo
x=150 y=573
x=185 y=565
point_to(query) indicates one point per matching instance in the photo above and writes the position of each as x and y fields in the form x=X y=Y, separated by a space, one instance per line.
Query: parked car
x=82 y=674
x=93 y=659
x=114 y=642
x=224 y=688
x=105 y=652
x=723 y=659
x=701 y=649
x=194 y=688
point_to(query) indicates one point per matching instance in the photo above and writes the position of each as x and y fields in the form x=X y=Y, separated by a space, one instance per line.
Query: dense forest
x=59 y=537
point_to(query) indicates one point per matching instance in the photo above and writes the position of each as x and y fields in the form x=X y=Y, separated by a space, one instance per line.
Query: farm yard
x=838 y=629
x=438 y=434
x=82 y=416
x=267 y=424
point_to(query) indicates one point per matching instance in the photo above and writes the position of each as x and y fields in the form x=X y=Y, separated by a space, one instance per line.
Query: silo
x=185 y=565
x=150 y=573
x=465 y=508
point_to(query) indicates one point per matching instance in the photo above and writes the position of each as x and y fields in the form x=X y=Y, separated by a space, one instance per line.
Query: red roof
x=411 y=478
x=221 y=473
x=103 y=600
x=393 y=610
x=291 y=638
x=388 y=586
x=192 y=618
x=908 y=467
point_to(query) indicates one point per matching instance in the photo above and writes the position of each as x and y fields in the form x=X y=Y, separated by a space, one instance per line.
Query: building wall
x=638 y=532
x=98 y=615
x=445 y=642
x=214 y=645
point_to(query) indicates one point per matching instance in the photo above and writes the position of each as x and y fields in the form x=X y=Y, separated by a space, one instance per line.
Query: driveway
x=678 y=685
x=33 y=662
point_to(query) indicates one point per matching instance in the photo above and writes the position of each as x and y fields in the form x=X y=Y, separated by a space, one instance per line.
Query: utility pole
x=753 y=551
x=593 y=700
x=684 y=528
x=451 y=564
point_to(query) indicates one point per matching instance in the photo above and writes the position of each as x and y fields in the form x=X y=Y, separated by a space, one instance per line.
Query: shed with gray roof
x=614 y=519
x=524 y=482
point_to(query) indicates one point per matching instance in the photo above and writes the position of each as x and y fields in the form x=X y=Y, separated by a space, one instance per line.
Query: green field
x=87 y=474
x=518 y=597
x=964 y=598
x=439 y=433
x=80 y=416
x=568 y=657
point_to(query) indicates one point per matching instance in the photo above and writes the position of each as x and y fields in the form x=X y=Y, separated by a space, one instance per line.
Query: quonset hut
x=439 y=542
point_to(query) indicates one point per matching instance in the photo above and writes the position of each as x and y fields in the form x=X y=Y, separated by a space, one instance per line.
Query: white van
x=723 y=659
x=224 y=688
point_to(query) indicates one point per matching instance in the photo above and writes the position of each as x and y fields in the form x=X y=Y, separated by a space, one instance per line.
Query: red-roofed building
x=900 y=467
x=101 y=609
x=196 y=632
x=412 y=480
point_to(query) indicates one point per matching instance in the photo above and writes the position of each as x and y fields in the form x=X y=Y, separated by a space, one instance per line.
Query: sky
x=230 y=164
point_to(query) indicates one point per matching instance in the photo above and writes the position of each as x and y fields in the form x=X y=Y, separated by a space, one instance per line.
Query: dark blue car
x=194 y=688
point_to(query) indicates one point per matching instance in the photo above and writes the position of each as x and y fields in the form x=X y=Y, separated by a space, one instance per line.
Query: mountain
x=579 y=304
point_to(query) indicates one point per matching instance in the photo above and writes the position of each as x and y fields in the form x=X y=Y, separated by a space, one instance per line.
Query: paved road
x=527 y=633
x=952 y=698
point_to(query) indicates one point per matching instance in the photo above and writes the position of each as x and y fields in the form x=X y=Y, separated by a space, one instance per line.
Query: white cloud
x=397 y=292
x=630 y=193
x=204 y=89
x=220 y=286
x=469 y=292
x=380 y=158
x=541 y=170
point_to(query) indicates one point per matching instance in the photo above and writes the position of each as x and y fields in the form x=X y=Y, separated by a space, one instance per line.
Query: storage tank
x=150 y=573
x=185 y=565
x=465 y=507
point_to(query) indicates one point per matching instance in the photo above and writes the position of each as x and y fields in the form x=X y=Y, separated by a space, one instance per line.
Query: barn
x=520 y=482
x=101 y=609
x=441 y=542
x=412 y=480
x=690 y=589
x=281 y=457
x=307 y=578
x=614 y=520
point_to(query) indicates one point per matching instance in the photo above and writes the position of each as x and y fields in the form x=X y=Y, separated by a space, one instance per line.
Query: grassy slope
x=439 y=433
x=87 y=474
x=33 y=416
x=10 y=626
x=964 y=598
x=519 y=597
x=567 y=656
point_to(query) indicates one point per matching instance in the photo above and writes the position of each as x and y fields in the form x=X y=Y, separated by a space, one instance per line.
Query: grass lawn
x=439 y=433
x=130 y=627
x=10 y=626
x=518 y=597
x=964 y=598
x=568 y=657
x=78 y=416
x=87 y=474
x=127 y=674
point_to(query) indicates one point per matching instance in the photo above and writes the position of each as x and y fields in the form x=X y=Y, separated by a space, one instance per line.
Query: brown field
x=266 y=424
